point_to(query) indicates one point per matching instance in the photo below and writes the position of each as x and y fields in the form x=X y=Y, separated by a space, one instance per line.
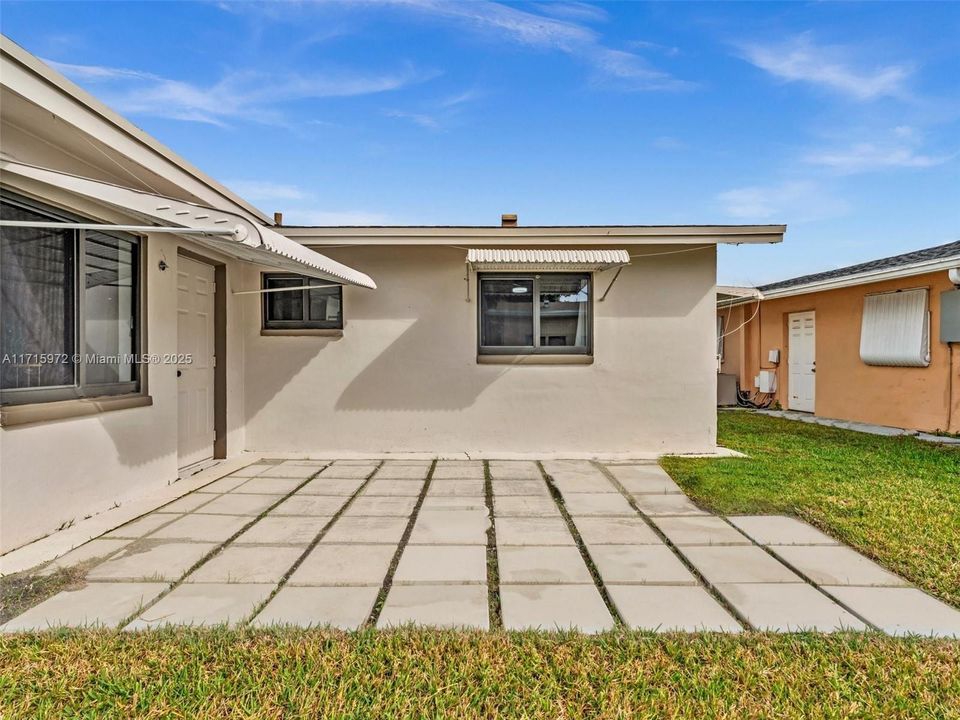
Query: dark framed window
x=319 y=308
x=547 y=313
x=69 y=308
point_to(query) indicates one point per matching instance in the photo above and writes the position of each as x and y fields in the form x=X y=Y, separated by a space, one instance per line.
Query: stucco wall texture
x=405 y=377
x=846 y=388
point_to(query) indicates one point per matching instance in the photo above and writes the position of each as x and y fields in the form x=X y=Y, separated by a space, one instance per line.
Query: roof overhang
x=229 y=233
x=503 y=259
x=730 y=295
x=498 y=236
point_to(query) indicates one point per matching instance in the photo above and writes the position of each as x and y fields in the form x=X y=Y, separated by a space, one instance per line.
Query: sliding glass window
x=69 y=308
x=546 y=313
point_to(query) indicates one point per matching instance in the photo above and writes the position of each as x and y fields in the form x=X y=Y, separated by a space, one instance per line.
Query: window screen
x=296 y=306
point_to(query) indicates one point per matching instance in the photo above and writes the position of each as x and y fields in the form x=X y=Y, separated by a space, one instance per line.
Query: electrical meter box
x=950 y=316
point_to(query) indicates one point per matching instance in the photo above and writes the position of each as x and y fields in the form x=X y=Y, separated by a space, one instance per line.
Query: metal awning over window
x=498 y=259
x=229 y=233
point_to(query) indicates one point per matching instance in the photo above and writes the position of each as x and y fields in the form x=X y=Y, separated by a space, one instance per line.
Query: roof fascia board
x=905 y=271
x=38 y=83
x=559 y=235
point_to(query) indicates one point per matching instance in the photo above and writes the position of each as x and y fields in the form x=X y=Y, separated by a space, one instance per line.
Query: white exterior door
x=195 y=380
x=803 y=361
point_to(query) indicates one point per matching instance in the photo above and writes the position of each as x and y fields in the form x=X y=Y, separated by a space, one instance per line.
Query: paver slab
x=450 y=527
x=246 y=564
x=442 y=564
x=598 y=483
x=301 y=472
x=788 y=607
x=666 y=504
x=274 y=530
x=637 y=471
x=626 y=564
x=141 y=526
x=95 y=604
x=836 y=565
x=344 y=565
x=348 y=472
x=268 y=486
x=737 y=564
x=394 y=488
x=223 y=485
x=436 y=606
x=185 y=504
x=343 y=608
x=780 y=530
x=533 y=531
x=239 y=504
x=317 y=505
x=552 y=607
x=146 y=561
x=203 y=604
x=390 y=471
x=520 y=487
x=456 y=488
x=381 y=506
x=699 y=530
x=900 y=610
x=98 y=549
x=452 y=502
x=669 y=608
x=544 y=565
x=525 y=506
x=331 y=486
x=514 y=470
x=251 y=470
x=458 y=469
x=205 y=528
x=653 y=484
x=616 y=531
x=598 y=504
x=375 y=530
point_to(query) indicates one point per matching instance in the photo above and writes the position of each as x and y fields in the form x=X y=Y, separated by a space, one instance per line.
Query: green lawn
x=897 y=500
x=894 y=499
x=422 y=674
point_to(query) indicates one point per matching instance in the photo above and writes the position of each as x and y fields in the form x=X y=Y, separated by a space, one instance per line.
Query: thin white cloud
x=800 y=59
x=901 y=147
x=558 y=27
x=259 y=190
x=863 y=157
x=422 y=119
x=791 y=201
x=251 y=94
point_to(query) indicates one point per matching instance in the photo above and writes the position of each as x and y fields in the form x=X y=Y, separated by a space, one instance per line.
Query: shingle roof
x=940 y=252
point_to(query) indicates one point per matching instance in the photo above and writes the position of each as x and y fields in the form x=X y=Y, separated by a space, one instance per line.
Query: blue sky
x=841 y=120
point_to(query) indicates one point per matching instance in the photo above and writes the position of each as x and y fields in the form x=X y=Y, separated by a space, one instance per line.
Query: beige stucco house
x=872 y=343
x=152 y=321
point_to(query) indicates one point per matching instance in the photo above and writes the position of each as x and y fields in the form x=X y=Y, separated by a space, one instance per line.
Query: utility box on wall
x=950 y=316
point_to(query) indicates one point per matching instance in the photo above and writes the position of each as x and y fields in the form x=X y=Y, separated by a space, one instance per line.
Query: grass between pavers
x=21 y=591
x=218 y=673
x=895 y=499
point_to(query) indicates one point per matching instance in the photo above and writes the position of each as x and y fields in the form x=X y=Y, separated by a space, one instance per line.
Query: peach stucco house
x=154 y=322
x=873 y=343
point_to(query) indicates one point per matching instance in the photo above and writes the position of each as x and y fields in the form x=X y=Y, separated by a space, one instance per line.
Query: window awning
x=486 y=259
x=229 y=233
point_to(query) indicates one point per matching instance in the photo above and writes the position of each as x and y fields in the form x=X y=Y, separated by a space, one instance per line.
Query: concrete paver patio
x=566 y=544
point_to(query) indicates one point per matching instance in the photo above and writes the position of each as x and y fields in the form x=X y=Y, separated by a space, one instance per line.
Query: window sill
x=11 y=415
x=545 y=359
x=305 y=332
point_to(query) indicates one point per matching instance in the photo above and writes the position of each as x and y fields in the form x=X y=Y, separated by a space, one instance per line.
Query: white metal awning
x=229 y=233
x=486 y=259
